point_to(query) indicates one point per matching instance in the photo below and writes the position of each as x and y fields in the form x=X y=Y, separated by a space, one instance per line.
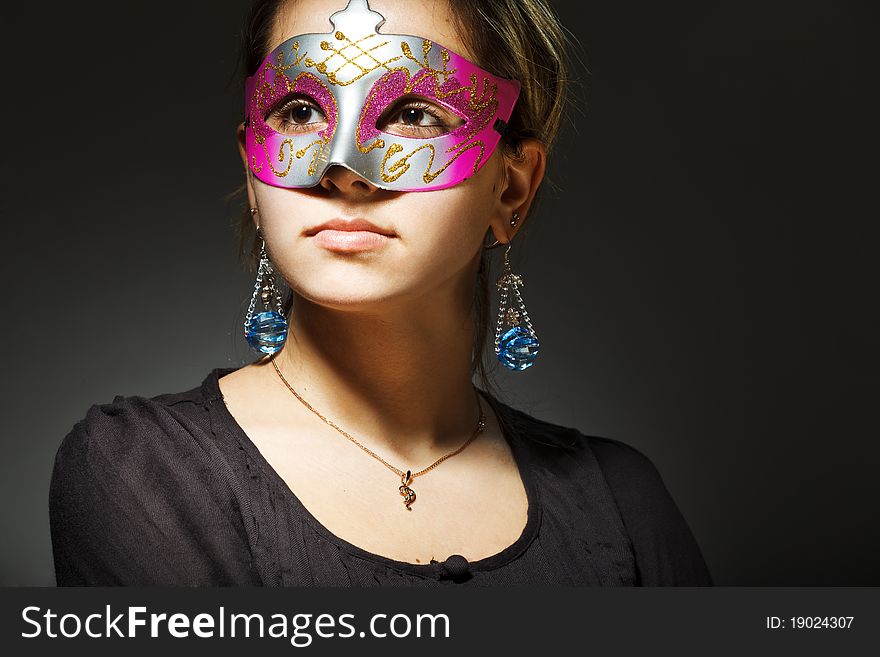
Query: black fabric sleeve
x=135 y=499
x=667 y=554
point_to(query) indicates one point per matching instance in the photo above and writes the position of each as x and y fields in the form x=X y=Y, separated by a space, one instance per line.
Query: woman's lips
x=350 y=241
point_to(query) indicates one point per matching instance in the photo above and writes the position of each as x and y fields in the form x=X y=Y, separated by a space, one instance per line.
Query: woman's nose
x=346 y=181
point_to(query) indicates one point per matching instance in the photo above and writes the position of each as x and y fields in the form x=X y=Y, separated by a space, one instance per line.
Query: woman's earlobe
x=496 y=235
x=504 y=233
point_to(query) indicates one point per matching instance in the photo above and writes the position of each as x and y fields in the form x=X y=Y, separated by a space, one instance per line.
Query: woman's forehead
x=424 y=18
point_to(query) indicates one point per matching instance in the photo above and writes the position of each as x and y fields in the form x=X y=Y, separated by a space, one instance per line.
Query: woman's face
x=436 y=236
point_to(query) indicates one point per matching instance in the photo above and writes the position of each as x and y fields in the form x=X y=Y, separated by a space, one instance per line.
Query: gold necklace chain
x=409 y=495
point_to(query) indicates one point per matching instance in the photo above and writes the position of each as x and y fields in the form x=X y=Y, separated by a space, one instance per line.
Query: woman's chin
x=348 y=297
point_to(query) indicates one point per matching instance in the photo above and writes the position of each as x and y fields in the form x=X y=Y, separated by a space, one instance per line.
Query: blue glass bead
x=518 y=348
x=266 y=331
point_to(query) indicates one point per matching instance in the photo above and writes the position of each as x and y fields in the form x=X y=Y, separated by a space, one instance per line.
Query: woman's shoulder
x=134 y=435
x=132 y=418
x=666 y=550
x=141 y=478
x=551 y=440
x=629 y=472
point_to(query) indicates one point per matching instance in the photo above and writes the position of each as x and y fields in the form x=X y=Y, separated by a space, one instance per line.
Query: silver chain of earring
x=266 y=331
x=516 y=343
x=264 y=287
x=509 y=284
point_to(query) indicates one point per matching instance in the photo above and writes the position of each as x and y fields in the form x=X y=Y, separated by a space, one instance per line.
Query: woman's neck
x=400 y=374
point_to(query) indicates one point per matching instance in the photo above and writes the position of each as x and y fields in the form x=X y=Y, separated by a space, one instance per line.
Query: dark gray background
x=702 y=279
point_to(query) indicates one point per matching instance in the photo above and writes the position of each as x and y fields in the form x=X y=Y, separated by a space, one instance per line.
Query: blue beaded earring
x=265 y=331
x=516 y=343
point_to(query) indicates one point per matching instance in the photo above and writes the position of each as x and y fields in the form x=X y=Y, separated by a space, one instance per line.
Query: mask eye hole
x=296 y=114
x=418 y=117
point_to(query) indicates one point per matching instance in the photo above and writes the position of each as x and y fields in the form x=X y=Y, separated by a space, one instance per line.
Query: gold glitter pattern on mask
x=425 y=64
x=316 y=155
x=355 y=55
x=284 y=172
x=297 y=58
x=401 y=166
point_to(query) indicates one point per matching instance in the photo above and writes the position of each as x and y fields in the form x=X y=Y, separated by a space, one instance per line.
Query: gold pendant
x=409 y=495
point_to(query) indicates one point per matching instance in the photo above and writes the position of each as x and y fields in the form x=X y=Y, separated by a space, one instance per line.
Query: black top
x=171 y=491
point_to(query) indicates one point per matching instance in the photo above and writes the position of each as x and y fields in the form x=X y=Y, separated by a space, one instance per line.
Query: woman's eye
x=413 y=116
x=302 y=114
x=299 y=114
x=416 y=118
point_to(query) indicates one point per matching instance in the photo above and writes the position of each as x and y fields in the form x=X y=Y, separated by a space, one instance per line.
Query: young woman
x=387 y=148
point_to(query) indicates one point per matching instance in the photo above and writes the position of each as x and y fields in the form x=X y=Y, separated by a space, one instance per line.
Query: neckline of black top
x=455 y=566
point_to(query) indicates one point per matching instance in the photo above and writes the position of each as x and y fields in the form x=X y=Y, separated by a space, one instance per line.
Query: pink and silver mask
x=403 y=112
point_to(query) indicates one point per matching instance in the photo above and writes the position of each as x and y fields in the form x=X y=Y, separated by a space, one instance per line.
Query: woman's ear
x=522 y=177
x=242 y=151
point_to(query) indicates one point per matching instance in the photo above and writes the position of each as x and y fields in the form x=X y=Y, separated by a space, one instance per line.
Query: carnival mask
x=403 y=112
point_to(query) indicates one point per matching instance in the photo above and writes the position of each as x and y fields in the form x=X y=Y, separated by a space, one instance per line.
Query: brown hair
x=519 y=39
